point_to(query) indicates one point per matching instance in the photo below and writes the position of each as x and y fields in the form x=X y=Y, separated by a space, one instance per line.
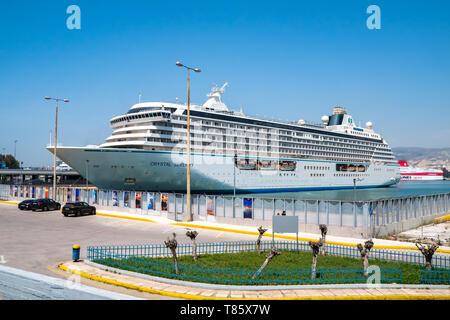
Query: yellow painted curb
x=198 y=297
x=8 y=202
x=442 y=219
x=124 y=217
x=134 y=287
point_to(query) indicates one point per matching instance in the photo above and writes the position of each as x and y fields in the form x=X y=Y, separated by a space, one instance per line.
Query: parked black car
x=77 y=209
x=25 y=205
x=45 y=205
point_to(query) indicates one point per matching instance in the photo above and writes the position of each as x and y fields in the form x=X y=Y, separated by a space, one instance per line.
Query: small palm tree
x=273 y=253
x=315 y=246
x=192 y=235
x=428 y=252
x=323 y=230
x=364 y=251
x=172 y=245
x=261 y=231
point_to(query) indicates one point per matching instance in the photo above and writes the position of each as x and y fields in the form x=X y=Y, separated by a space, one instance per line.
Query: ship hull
x=421 y=176
x=132 y=169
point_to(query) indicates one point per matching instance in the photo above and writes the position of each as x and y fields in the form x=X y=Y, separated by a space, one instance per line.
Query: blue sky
x=286 y=60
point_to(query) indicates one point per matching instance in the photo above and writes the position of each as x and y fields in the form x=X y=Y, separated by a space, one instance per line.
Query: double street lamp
x=188 y=166
x=54 y=147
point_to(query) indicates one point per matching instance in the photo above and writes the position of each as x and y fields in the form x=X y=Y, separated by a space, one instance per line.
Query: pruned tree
x=315 y=246
x=428 y=252
x=273 y=253
x=323 y=230
x=261 y=231
x=172 y=245
x=192 y=235
x=364 y=251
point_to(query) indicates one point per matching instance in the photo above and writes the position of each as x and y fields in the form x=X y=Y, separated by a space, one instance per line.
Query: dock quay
x=361 y=219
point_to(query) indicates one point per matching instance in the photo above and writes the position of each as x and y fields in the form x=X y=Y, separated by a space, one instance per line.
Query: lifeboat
x=264 y=164
x=361 y=168
x=287 y=166
x=351 y=168
x=243 y=164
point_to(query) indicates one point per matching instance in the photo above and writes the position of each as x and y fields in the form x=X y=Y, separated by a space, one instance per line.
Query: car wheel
x=77 y=214
x=65 y=214
x=93 y=212
x=45 y=209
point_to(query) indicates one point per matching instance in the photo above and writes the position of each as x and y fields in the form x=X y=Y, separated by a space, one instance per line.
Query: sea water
x=402 y=189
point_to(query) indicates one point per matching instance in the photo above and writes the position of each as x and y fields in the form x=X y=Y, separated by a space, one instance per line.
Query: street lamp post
x=54 y=147
x=234 y=175
x=188 y=166
x=87 y=181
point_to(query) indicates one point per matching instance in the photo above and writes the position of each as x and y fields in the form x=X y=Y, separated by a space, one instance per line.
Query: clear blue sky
x=283 y=59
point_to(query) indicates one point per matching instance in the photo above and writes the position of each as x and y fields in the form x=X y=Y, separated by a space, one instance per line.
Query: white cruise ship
x=232 y=152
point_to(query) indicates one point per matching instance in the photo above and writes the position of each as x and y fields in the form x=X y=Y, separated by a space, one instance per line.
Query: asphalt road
x=38 y=241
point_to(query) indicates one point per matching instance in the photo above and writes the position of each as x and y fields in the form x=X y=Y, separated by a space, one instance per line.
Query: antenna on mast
x=140 y=94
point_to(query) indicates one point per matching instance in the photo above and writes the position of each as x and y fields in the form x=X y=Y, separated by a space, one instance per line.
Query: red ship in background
x=419 y=174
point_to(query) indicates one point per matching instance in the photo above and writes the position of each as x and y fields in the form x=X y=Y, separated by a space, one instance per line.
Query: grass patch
x=289 y=268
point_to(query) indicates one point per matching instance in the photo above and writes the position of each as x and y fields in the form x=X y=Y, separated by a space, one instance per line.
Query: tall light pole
x=15 y=142
x=188 y=187
x=54 y=147
x=87 y=181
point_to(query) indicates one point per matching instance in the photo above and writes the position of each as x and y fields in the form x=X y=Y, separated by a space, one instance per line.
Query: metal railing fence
x=244 y=276
x=435 y=277
x=142 y=258
x=160 y=250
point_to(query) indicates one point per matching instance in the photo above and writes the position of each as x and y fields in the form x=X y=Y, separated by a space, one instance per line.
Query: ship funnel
x=339 y=110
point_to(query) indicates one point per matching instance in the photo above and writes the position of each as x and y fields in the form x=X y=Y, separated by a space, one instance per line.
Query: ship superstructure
x=231 y=151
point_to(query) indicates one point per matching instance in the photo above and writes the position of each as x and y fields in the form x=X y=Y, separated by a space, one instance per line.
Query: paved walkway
x=386 y=292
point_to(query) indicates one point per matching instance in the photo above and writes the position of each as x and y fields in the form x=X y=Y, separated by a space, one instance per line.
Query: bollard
x=76 y=253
